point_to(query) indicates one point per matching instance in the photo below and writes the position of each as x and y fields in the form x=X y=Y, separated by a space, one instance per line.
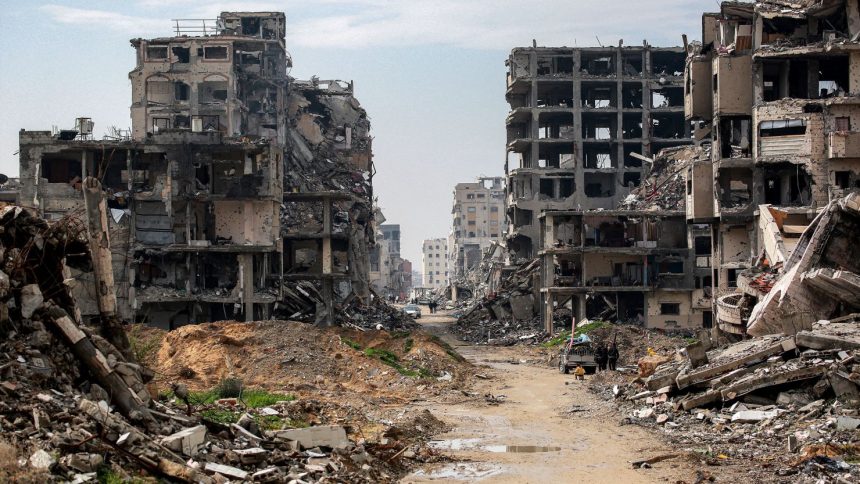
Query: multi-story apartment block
x=435 y=263
x=774 y=88
x=478 y=220
x=582 y=121
x=215 y=209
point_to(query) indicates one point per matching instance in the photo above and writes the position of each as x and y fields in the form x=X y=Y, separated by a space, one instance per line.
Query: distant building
x=435 y=263
x=478 y=218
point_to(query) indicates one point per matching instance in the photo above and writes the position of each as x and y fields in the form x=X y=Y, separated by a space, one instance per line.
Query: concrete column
x=326 y=241
x=580 y=308
x=246 y=273
x=547 y=312
x=619 y=121
x=579 y=177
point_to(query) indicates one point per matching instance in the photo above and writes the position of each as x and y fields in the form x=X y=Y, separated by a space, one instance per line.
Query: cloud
x=102 y=19
x=493 y=24
x=482 y=24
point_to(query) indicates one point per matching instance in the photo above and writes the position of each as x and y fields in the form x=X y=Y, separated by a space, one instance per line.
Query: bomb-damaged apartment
x=239 y=192
x=774 y=92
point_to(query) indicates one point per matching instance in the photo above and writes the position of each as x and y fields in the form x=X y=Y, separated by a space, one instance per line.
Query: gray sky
x=431 y=74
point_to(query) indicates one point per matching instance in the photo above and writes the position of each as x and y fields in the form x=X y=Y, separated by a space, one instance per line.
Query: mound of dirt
x=301 y=359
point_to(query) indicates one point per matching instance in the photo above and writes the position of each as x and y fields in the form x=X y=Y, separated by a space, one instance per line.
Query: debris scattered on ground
x=781 y=406
x=74 y=408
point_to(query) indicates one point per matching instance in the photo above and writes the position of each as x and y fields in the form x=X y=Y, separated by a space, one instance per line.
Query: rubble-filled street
x=265 y=246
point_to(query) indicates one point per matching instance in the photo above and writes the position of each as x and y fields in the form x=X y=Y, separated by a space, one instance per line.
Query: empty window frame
x=218 y=53
x=156 y=53
x=181 y=91
x=670 y=308
x=782 y=127
x=159 y=124
x=182 y=54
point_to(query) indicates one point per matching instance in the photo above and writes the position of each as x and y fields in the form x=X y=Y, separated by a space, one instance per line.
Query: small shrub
x=352 y=344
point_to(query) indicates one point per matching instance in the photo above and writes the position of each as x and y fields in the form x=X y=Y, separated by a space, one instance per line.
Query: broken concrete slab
x=830 y=335
x=31 y=299
x=333 y=436
x=225 y=470
x=736 y=356
x=188 y=441
x=753 y=416
x=755 y=382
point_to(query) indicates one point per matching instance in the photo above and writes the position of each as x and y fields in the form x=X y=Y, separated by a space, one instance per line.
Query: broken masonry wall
x=806 y=150
x=670 y=310
x=731 y=85
x=700 y=191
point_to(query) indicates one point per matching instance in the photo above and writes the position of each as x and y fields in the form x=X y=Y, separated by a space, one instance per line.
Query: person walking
x=612 y=357
x=600 y=357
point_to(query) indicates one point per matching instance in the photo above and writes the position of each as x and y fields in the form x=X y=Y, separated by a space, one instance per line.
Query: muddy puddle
x=476 y=444
x=458 y=472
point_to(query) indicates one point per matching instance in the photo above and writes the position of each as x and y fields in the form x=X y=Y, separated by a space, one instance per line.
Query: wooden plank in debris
x=713 y=370
x=772 y=379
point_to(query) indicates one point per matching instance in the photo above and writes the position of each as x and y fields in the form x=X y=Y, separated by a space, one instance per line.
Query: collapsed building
x=478 y=215
x=618 y=265
x=774 y=90
x=581 y=122
x=239 y=193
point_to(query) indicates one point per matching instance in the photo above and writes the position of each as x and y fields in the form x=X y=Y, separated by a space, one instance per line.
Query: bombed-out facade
x=239 y=193
x=774 y=90
x=582 y=121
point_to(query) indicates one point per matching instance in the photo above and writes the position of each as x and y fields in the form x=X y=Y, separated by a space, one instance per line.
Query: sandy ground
x=516 y=441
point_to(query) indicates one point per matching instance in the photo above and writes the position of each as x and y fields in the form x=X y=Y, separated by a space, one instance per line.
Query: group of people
x=433 y=305
x=604 y=357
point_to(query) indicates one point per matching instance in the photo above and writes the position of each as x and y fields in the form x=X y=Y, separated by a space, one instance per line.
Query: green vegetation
x=400 y=334
x=352 y=344
x=408 y=344
x=253 y=398
x=143 y=346
x=393 y=361
x=448 y=349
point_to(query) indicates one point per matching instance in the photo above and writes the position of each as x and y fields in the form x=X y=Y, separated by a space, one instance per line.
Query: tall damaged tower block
x=774 y=91
x=239 y=192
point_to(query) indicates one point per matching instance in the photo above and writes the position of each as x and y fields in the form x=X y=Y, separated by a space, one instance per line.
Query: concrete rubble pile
x=821 y=277
x=74 y=405
x=330 y=140
x=507 y=316
x=791 y=401
x=665 y=187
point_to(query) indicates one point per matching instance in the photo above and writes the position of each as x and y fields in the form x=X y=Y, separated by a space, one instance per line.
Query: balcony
x=730 y=313
x=844 y=144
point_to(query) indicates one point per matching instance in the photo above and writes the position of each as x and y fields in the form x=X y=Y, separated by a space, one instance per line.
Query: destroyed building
x=240 y=193
x=435 y=263
x=581 y=122
x=774 y=90
x=391 y=275
x=618 y=265
x=478 y=217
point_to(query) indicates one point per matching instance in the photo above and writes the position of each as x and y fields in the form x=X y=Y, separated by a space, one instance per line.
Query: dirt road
x=533 y=436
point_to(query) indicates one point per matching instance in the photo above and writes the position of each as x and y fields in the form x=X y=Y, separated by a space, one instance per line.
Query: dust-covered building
x=240 y=193
x=774 y=90
x=581 y=122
